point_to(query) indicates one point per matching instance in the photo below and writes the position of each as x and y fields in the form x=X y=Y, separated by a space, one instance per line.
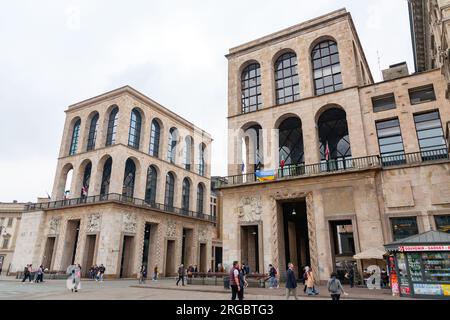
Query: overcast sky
x=56 y=53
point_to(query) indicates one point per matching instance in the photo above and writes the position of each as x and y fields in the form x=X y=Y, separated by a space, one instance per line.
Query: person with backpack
x=272 y=276
x=310 y=283
x=335 y=287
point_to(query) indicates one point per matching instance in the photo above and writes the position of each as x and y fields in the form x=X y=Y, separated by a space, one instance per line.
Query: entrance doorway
x=149 y=250
x=250 y=247
x=218 y=258
x=170 y=260
x=203 y=258
x=342 y=246
x=89 y=252
x=186 y=248
x=296 y=240
x=47 y=259
x=70 y=243
x=127 y=257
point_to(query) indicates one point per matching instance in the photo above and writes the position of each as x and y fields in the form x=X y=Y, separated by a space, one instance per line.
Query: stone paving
x=165 y=289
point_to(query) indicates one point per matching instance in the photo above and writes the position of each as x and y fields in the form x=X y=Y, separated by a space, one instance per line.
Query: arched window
x=291 y=142
x=92 y=133
x=170 y=186
x=200 y=196
x=134 y=135
x=150 y=189
x=112 y=126
x=201 y=160
x=251 y=88
x=187 y=153
x=326 y=67
x=286 y=78
x=185 y=194
x=86 y=179
x=67 y=181
x=154 y=139
x=172 y=147
x=334 y=141
x=106 y=177
x=253 y=149
x=75 y=136
x=128 y=179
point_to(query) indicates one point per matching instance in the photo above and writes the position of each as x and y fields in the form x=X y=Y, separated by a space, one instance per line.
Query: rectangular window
x=431 y=136
x=10 y=222
x=422 y=94
x=442 y=223
x=5 y=243
x=384 y=102
x=404 y=227
x=390 y=142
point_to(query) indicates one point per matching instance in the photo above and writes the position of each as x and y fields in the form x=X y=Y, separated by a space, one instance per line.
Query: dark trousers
x=26 y=276
x=235 y=293
x=351 y=282
x=182 y=280
x=335 y=297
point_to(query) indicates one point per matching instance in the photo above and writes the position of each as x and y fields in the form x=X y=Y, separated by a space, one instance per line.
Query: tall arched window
x=200 y=196
x=187 y=157
x=86 y=180
x=170 y=186
x=112 y=126
x=185 y=194
x=134 y=135
x=286 y=78
x=201 y=159
x=150 y=189
x=75 y=136
x=290 y=142
x=334 y=140
x=128 y=178
x=172 y=147
x=92 y=136
x=106 y=177
x=154 y=138
x=251 y=88
x=253 y=149
x=326 y=67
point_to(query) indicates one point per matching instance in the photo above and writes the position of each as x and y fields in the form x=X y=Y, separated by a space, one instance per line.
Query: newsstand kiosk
x=419 y=266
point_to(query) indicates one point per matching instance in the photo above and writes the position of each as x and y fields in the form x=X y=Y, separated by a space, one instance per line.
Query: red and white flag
x=282 y=163
x=327 y=152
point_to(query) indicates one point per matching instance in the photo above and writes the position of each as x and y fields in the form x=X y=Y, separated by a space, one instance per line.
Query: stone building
x=10 y=215
x=132 y=187
x=324 y=163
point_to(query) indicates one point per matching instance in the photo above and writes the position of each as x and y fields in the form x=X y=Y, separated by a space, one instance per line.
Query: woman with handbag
x=310 y=289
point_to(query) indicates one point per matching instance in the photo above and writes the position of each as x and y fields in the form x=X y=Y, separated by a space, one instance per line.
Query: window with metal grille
x=106 y=177
x=172 y=147
x=200 y=195
x=170 y=184
x=134 y=135
x=75 y=136
x=185 y=194
x=286 y=78
x=404 y=227
x=112 y=126
x=92 y=136
x=390 y=141
x=129 y=178
x=154 y=139
x=150 y=189
x=442 y=223
x=187 y=156
x=385 y=102
x=291 y=142
x=430 y=134
x=251 y=96
x=422 y=94
x=326 y=67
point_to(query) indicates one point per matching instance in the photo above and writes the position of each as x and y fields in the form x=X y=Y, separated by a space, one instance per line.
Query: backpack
x=333 y=286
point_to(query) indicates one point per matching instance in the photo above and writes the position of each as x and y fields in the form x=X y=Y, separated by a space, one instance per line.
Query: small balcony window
x=422 y=94
x=384 y=102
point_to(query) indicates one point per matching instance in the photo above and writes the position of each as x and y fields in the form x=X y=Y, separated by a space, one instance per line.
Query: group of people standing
x=143 y=274
x=30 y=274
x=96 y=272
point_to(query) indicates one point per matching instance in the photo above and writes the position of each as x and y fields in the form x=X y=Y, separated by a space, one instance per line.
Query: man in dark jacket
x=181 y=274
x=291 y=282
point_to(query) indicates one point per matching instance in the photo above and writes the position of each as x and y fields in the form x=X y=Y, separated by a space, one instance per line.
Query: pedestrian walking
x=155 y=273
x=350 y=275
x=39 y=274
x=291 y=282
x=335 y=287
x=181 y=274
x=101 y=271
x=143 y=274
x=26 y=274
x=235 y=281
x=304 y=278
x=73 y=282
x=272 y=276
x=310 y=283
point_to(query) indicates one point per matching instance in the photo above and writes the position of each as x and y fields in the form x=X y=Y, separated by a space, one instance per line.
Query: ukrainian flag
x=265 y=175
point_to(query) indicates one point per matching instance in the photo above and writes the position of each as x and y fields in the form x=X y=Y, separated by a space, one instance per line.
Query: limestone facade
x=10 y=217
x=368 y=195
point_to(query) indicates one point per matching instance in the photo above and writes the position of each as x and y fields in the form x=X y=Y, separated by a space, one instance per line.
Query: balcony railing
x=117 y=198
x=340 y=165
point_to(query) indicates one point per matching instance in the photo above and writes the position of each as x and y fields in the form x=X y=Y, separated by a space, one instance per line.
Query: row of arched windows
x=326 y=70
x=151 y=187
x=134 y=137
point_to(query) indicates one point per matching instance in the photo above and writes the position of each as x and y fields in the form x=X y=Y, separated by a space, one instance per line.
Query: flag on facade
x=327 y=152
x=242 y=167
x=282 y=163
x=265 y=175
x=84 y=191
x=48 y=196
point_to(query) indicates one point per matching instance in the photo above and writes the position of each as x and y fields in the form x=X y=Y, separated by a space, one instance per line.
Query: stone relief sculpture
x=203 y=235
x=129 y=223
x=54 y=225
x=171 y=229
x=250 y=209
x=94 y=222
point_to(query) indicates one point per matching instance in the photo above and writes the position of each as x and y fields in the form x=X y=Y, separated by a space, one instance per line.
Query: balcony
x=340 y=165
x=118 y=198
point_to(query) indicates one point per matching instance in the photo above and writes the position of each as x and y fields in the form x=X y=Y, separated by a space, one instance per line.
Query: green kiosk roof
x=428 y=238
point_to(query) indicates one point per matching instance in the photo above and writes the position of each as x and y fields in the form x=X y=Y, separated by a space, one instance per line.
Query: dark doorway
x=203 y=258
x=127 y=256
x=48 y=252
x=250 y=247
x=296 y=240
x=147 y=231
x=89 y=251
x=70 y=243
x=170 y=261
x=343 y=246
x=218 y=257
x=186 y=248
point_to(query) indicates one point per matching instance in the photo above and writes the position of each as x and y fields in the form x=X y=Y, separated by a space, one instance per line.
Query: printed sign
x=424 y=248
x=428 y=289
x=446 y=289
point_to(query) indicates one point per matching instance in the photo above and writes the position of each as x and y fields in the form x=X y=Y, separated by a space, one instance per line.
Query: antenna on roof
x=379 y=64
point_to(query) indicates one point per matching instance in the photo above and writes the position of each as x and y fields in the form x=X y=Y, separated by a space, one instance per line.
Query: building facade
x=324 y=163
x=132 y=188
x=10 y=216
